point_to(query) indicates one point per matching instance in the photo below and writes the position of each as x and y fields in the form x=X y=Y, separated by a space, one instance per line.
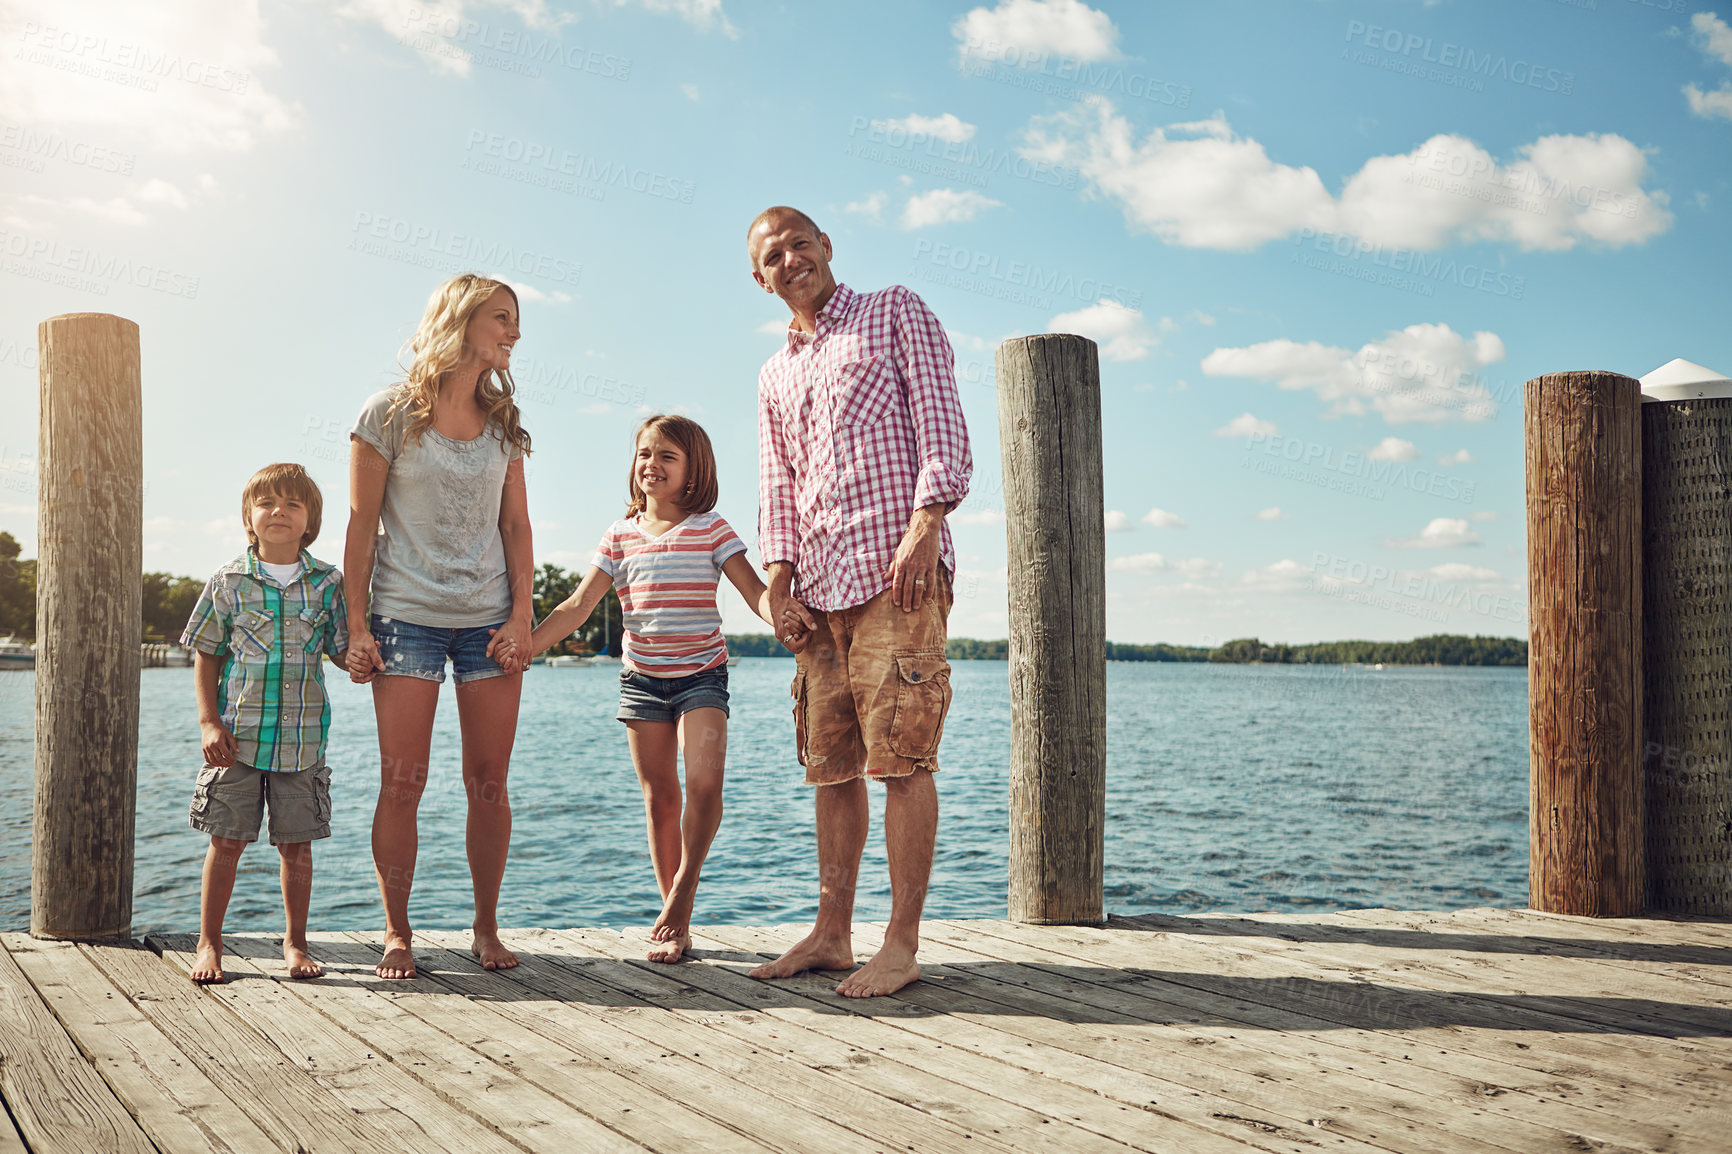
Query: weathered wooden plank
x=371 y=1085
x=57 y=1099
x=811 y=1005
x=1536 y=1110
x=11 y=1142
x=940 y=1009
x=1290 y=1083
x=947 y=1105
x=287 y=1103
x=1213 y=953
x=382 y=1015
x=774 y=1101
x=175 y=1104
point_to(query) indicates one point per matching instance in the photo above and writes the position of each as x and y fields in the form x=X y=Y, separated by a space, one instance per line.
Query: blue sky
x=1321 y=245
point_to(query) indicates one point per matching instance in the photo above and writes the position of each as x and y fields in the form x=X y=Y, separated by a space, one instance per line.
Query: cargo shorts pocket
x=798 y=689
x=922 y=699
x=201 y=793
x=322 y=793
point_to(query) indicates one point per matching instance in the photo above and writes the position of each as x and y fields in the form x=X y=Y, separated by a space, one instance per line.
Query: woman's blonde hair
x=437 y=348
x=689 y=437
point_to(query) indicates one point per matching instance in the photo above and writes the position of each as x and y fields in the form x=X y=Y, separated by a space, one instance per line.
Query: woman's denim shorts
x=646 y=698
x=410 y=650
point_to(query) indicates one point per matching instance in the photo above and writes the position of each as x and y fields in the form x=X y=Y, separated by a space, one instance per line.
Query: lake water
x=1238 y=788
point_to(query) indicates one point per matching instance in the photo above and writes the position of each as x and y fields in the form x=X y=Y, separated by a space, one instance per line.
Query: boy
x=259 y=631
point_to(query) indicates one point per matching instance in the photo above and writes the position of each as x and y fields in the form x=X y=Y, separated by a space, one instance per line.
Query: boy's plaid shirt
x=272 y=690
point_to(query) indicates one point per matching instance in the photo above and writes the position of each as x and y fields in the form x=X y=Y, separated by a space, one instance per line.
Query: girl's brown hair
x=283 y=480
x=437 y=348
x=690 y=438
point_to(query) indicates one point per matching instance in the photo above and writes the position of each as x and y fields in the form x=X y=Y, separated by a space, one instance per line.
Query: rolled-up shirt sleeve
x=207 y=630
x=940 y=432
x=778 y=535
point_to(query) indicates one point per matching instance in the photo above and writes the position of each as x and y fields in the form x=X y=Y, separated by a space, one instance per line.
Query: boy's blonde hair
x=283 y=480
x=689 y=436
x=437 y=347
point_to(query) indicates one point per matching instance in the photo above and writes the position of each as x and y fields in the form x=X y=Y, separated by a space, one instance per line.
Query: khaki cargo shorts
x=872 y=688
x=232 y=802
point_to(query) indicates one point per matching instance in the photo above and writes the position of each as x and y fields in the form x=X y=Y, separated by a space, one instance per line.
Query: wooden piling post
x=1049 y=428
x=1687 y=647
x=1584 y=505
x=90 y=462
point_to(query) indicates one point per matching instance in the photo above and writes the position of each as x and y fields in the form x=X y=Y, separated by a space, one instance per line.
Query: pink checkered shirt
x=859 y=424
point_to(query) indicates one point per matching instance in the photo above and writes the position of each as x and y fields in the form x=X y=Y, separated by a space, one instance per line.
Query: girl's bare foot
x=301 y=963
x=671 y=949
x=398 y=962
x=676 y=916
x=207 y=966
x=491 y=952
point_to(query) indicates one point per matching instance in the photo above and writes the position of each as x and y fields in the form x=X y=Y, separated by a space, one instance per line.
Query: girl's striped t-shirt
x=667 y=592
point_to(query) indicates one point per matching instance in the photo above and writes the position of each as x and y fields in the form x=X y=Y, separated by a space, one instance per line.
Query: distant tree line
x=1440 y=649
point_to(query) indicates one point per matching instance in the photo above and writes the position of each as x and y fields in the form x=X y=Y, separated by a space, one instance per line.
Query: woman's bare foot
x=810 y=953
x=671 y=949
x=398 y=962
x=301 y=963
x=891 y=968
x=491 y=952
x=676 y=916
x=207 y=966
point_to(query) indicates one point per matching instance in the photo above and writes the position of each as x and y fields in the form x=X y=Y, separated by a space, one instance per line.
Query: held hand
x=791 y=619
x=509 y=646
x=218 y=744
x=364 y=662
x=914 y=572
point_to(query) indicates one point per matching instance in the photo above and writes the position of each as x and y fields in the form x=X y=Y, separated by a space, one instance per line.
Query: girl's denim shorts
x=646 y=698
x=410 y=650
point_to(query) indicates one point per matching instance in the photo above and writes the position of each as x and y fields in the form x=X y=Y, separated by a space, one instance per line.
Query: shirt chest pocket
x=251 y=635
x=305 y=630
x=866 y=392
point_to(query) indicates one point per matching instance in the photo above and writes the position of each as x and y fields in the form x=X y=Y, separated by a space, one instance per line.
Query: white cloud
x=1393 y=449
x=1484 y=515
x=1200 y=317
x=1441 y=533
x=1272 y=513
x=690 y=92
x=530 y=293
x=1717 y=102
x=700 y=14
x=1459 y=457
x=115 y=210
x=1161 y=519
x=1284 y=576
x=1118 y=329
x=949 y=127
x=161 y=192
x=1138 y=563
x=1714 y=36
x=870 y=206
x=1425 y=372
x=1201 y=185
x=1019 y=30
x=775 y=328
x=1456 y=571
x=979 y=517
x=945 y=206
x=196 y=64
x=1117 y=522
x=1245 y=425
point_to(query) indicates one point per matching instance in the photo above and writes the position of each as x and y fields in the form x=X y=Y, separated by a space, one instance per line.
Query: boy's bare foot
x=301 y=963
x=810 y=953
x=207 y=966
x=491 y=952
x=885 y=972
x=671 y=949
x=398 y=962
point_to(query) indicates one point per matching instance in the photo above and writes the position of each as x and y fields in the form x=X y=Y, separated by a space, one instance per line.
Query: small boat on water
x=569 y=661
x=733 y=660
x=16 y=654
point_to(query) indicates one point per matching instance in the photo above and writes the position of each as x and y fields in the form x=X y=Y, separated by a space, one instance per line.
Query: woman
x=438 y=565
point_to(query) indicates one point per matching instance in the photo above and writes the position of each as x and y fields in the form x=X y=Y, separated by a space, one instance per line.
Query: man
x=862 y=451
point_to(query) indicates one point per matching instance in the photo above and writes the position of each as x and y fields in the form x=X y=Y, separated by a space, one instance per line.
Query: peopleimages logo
x=887 y=142
x=430 y=247
x=1359 y=474
x=1410 y=264
x=1023 y=276
x=1454 y=61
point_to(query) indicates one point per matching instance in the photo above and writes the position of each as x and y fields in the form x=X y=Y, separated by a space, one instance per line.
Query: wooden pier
x=1479 y=1030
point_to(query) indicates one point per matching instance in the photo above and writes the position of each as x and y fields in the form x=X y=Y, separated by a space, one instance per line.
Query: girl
x=438 y=567
x=665 y=557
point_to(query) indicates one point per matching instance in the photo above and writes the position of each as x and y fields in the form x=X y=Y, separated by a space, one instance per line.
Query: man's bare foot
x=887 y=971
x=398 y=962
x=491 y=952
x=671 y=949
x=676 y=916
x=207 y=966
x=810 y=953
x=301 y=963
